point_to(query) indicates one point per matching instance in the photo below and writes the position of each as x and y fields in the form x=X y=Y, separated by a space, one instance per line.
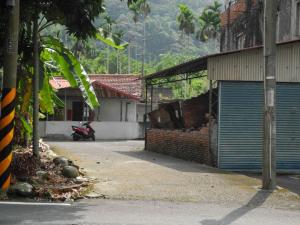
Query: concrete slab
x=124 y=171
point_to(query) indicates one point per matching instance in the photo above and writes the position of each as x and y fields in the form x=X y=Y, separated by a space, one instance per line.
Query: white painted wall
x=104 y=130
x=110 y=109
x=131 y=110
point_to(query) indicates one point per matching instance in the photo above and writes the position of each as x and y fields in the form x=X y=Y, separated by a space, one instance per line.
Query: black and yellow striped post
x=6 y=134
x=9 y=92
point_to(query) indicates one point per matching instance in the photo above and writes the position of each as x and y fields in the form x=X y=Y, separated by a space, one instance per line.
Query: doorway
x=77 y=114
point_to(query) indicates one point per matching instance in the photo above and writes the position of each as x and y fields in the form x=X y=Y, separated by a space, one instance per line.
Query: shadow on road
x=257 y=200
x=171 y=162
x=289 y=182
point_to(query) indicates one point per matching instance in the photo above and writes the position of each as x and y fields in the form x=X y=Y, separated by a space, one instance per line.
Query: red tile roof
x=124 y=85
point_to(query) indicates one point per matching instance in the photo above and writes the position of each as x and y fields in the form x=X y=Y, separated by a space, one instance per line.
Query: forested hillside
x=162 y=33
x=165 y=44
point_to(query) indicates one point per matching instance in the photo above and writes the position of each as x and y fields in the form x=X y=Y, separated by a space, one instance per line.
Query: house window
x=298 y=18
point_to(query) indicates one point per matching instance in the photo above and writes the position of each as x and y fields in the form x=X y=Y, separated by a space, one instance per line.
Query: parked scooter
x=84 y=132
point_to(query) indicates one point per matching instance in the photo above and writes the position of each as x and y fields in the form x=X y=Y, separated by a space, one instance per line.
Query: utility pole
x=129 y=58
x=144 y=46
x=36 y=56
x=107 y=61
x=269 y=137
x=9 y=92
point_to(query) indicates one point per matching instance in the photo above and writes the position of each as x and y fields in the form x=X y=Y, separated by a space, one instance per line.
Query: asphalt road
x=113 y=212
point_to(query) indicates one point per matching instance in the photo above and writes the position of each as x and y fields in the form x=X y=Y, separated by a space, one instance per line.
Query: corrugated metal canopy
x=248 y=65
x=201 y=63
x=192 y=66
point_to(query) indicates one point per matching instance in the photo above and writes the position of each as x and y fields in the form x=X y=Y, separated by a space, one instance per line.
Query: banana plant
x=57 y=55
x=56 y=59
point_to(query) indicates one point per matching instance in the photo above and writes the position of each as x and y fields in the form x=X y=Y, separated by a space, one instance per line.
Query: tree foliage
x=186 y=19
x=76 y=19
x=181 y=89
x=140 y=8
x=209 y=22
x=161 y=28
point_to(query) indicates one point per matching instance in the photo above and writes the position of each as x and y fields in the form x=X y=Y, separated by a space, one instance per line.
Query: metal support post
x=145 y=115
x=151 y=98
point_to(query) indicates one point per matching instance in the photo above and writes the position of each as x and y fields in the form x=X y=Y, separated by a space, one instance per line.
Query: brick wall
x=191 y=145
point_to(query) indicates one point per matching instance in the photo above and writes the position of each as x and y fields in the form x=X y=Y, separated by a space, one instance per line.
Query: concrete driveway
x=124 y=171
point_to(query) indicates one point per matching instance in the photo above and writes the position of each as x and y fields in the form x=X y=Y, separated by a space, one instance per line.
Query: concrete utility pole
x=144 y=47
x=36 y=56
x=269 y=138
x=9 y=92
x=129 y=58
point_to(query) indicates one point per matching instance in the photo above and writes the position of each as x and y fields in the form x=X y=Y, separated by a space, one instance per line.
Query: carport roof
x=192 y=66
x=199 y=64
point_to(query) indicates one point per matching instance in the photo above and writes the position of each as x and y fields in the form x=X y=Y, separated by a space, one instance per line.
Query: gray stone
x=62 y=161
x=70 y=172
x=43 y=175
x=22 y=189
x=80 y=180
x=95 y=195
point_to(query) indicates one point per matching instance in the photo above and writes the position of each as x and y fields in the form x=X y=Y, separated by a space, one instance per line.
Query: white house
x=120 y=115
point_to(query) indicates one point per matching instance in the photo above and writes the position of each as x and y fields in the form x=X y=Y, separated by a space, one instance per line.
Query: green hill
x=162 y=34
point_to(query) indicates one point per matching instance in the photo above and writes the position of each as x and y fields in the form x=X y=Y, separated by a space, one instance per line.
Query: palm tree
x=209 y=23
x=215 y=7
x=185 y=20
x=141 y=8
x=117 y=38
x=107 y=25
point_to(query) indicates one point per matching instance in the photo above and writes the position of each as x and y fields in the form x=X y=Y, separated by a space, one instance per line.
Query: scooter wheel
x=93 y=137
x=75 y=138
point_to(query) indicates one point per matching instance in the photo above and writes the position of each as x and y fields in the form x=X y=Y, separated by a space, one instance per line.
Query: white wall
x=110 y=110
x=104 y=130
x=131 y=110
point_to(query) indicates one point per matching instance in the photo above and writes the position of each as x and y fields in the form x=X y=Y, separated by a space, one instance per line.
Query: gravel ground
x=124 y=171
